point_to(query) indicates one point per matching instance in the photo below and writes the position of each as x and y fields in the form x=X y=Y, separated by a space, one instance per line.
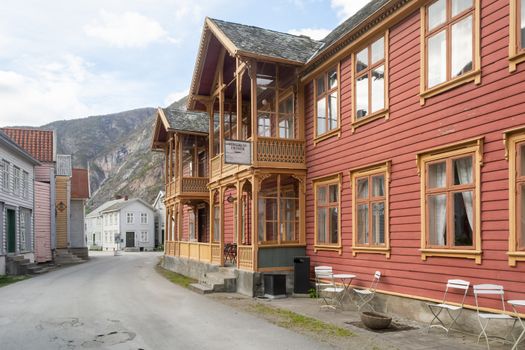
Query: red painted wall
x=469 y=111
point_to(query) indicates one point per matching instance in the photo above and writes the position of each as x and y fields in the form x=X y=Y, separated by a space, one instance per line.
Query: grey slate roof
x=124 y=203
x=183 y=120
x=301 y=49
x=10 y=144
x=352 y=22
x=269 y=43
x=96 y=212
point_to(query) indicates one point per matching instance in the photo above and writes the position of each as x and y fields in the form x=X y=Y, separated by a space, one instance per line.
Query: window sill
x=452 y=253
x=516 y=59
x=331 y=248
x=514 y=257
x=327 y=135
x=374 y=116
x=276 y=245
x=474 y=76
x=372 y=250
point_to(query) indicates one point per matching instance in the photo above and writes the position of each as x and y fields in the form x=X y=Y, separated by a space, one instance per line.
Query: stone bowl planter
x=375 y=320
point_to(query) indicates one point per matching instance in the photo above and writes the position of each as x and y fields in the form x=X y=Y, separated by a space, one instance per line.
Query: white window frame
x=130 y=216
x=143 y=218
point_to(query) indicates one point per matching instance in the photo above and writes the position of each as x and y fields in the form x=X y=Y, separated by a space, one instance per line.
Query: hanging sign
x=237 y=152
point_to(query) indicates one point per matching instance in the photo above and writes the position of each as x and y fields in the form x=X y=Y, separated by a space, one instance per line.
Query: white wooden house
x=16 y=201
x=122 y=224
x=160 y=218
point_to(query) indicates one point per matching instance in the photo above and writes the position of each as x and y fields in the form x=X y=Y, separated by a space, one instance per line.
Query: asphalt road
x=120 y=302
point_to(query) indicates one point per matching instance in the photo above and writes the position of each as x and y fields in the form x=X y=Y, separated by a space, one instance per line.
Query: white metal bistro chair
x=453 y=311
x=485 y=317
x=326 y=288
x=365 y=296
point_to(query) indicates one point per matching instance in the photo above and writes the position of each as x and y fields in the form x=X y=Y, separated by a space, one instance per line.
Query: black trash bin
x=301 y=275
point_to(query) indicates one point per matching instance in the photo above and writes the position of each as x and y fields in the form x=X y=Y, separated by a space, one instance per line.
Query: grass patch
x=291 y=320
x=6 y=280
x=174 y=277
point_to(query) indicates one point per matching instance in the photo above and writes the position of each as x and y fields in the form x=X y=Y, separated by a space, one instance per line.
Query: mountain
x=116 y=148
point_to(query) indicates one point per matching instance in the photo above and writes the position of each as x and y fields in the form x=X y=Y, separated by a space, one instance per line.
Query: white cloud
x=175 y=96
x=314 y=33
x=347 y=8
x=129 y=29
x=61 y=89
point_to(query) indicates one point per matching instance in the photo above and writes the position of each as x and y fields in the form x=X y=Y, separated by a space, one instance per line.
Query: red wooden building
x=411 y=119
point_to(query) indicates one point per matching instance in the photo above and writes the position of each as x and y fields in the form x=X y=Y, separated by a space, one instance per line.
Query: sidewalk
x=405 y=335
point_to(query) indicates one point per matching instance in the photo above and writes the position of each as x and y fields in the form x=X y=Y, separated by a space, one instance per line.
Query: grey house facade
x=16 y=202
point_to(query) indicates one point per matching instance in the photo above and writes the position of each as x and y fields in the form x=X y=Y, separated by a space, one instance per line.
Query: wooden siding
x=44 y=172
x=465 y=112
x=12 y=200
x=42 y=222
x=229 y=227
x=62 y=185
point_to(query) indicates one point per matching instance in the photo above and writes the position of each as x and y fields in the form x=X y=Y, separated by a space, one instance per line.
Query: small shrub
x=312 y=292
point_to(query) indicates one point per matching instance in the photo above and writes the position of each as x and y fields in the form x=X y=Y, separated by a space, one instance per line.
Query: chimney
x=118 y=196
x=126 y=197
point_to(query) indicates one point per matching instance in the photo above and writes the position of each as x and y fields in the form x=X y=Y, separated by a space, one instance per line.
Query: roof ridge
x=270 y=30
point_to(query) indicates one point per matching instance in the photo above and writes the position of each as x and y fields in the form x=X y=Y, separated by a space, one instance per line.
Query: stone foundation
x=248 y=282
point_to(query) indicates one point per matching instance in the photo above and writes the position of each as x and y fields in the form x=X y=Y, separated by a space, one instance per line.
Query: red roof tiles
x=79 y=184
x=38 y=143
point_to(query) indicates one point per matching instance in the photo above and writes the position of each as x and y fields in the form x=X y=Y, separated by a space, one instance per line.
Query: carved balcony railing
x=188 y=185
x=245 y=258
x=216 y=256
x=279 y=152
x=194 y=185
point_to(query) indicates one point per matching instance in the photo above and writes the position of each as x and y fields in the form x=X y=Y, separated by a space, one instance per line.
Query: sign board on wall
x=237 y=152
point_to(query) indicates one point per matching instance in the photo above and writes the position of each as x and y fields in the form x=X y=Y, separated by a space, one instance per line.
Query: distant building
x=122 y=224
x=16 y=202
x=160 y=218
x=79 y=194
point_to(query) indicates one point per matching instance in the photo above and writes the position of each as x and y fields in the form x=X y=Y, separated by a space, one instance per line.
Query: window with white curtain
x=450 y=206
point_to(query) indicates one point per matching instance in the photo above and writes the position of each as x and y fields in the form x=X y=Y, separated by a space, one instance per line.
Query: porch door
x=11 y=230
x=130 y=239
x=202 y=218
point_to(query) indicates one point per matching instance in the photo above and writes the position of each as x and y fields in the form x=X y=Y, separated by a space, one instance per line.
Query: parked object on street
x=365 y=296
x=453 y=311
x=497 y=292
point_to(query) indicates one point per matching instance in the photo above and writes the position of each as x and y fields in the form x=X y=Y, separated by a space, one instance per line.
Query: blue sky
x=63 y=59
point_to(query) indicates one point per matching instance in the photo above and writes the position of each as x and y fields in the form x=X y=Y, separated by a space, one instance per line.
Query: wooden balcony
x=268 y=153
x=188 y=186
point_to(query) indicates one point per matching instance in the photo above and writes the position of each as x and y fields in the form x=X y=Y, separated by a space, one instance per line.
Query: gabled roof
x=38 y=143
x=122 y=204
x=160 y=195
x=351 y=23
x=178 y=119
x=7 y=142
x=80 y=184
x=264 y=42
x=96 y=212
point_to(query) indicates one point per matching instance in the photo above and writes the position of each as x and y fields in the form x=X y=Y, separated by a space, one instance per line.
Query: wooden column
x=255 y=221
x=221 y=224
x=252 y=71
x=238 y=92
x=180 y=221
